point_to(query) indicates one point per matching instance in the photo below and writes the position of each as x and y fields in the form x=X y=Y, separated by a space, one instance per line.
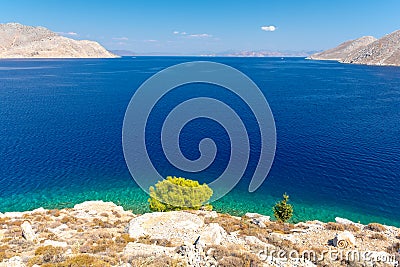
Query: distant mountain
x=123 y=53
x=385 y=51
x=265 y=53
x=20 y=41
x=344 y=50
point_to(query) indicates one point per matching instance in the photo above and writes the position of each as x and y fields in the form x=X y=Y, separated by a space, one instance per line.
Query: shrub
x=351 y=227
x=282 y=210
x=178 y=194
x=334 y=226
x=377 y=227
x=378 y=236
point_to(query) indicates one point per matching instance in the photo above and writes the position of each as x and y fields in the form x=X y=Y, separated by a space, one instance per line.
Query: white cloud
x=175 y=32
x=121 y=38
x=68 y=33
x=150 y=41
x=183 y=33
x=268 y=28
x=200 y=35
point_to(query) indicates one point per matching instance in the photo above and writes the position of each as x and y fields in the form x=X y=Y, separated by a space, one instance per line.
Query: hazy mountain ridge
x=20 y=41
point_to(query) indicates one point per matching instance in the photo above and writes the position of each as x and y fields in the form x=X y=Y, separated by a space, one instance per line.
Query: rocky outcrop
x=104 y=234
x=20 y=41
x=383 y=52
x=344 y=50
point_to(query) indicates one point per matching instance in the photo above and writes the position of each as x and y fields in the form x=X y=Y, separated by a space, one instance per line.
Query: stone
x=213 y=234
x=258 y=219
x=13 y=262
x=55 y=243
x=39 y=210
x=344 y=221
x=344 y=240
x=179 y=227
x=98 y=206
x=28 y=232
x=145 y=250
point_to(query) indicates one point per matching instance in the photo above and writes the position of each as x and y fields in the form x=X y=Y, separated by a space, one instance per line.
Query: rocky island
x=20 y=41
x=99 y=234
x=366 y=50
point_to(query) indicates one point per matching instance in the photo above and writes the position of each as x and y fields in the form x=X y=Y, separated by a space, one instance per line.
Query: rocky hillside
x=20 y=41
x=385 y=51
x=101 y=234
x=344 y=50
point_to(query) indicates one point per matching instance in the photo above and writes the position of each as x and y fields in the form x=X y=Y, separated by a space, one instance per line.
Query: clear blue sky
x=149 y=25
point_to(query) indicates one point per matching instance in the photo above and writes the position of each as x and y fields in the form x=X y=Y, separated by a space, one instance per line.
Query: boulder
x=258 y=219
x=94 y=207
x=28 y=232
x=213 y=234
x=144 y=250
x=179 y=227
x=344 y=240
x=13 y=262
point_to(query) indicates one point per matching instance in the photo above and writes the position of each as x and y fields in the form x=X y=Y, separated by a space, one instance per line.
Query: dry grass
x=82 y=260
x=233 y=256
x=376 y=227
x=334 y=226
x=156 y=262
x=245 y=227
x=47 y=254
x=394 y=248
x=378 y=236
x=54 y=212
x=352 y=228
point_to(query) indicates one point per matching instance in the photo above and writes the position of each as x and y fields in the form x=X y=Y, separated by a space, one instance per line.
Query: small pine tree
x=177 y=193
x=282 y=210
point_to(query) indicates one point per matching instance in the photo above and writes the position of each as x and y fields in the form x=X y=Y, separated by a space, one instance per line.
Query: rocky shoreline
x=97 y=233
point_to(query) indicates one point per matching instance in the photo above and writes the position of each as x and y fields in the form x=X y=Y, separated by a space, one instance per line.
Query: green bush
x=178 y=194
x=282 y=210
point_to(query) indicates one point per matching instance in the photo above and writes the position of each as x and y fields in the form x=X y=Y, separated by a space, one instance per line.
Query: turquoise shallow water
x=338 y=151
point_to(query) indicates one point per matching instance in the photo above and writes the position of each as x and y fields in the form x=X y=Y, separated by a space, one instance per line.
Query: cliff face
x=20 y=41
x=344 y=50
x=385 y=51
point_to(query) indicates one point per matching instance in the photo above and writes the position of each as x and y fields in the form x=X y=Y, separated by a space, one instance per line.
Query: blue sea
x=338 y=135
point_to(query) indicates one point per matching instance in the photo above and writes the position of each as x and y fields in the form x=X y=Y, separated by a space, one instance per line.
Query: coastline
x=133 y=198
x=106 y=233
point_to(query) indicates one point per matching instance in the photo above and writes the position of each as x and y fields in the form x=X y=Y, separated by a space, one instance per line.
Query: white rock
x=177 y=226
x=211 y=214
x=38 y=210
x=98 y=206
x=14 y=262
x=144 y=250
x=55 y=243
x=13 y=214
x=28 y=232
x=213 y=234
x=92 y=212
x=258 y=219
x=344 y=240
x=343 y=221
